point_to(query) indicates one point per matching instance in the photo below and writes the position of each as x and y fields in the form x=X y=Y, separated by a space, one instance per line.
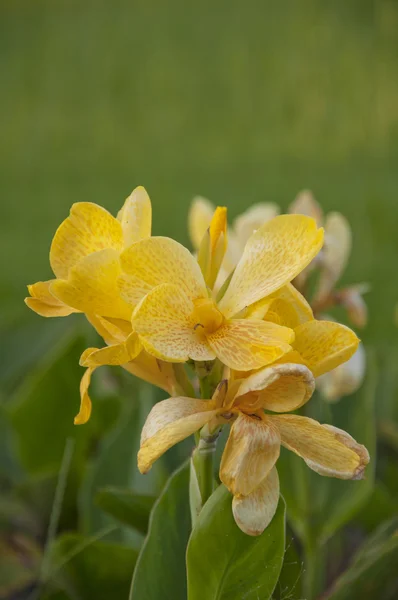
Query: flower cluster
x=231 y=311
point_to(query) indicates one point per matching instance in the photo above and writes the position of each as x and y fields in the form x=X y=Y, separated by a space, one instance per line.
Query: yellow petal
x=302 y=310
x=324 y=345
x=305 y=204
x=118 y=354
x=44 y=303
x=200 y=215
x=251 y=451
x=85 y=401
x=111 y=333
x=165 y=324
x=92 y=286
x=335 y=254
x=213 y=246
x=326 y=449
x=253 y=513
x=135 y=216
x=273 y=256
x=154 y=371
x=88 y=228
x=280 y=388
x=246 y=344
x=158 y=260
x=253 y=218
x=344 y=380
x=169 y=422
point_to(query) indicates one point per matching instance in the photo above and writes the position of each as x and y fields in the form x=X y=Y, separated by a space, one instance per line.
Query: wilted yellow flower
x=85 y=258
x=178 y=318
x=248 y=463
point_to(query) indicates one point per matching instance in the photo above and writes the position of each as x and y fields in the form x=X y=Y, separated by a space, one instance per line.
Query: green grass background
x=240 y=102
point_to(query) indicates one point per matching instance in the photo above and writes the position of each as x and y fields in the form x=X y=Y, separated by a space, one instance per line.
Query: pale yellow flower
x=85 y=258
x=248 y=463
x=178 y=319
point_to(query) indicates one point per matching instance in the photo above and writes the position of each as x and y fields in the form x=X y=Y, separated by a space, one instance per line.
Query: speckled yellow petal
x=88 y=228
x=305 y=204
x=154 y=371
x=42 y=302
x=326 y=449
x=345 y=379
x=246 y=344
x=111 y=333
x=324 y=345
x=301 y=310
x=253 y=513
x=335 y=254
x=118 y=354
x=165 y=324
x=253 y=218
x=169 y=422
x=85 y=401
x=160 y=260
x=200 y=215
x=135 y=216
x=280 y=388
x=273 y=256
x=250 y=453
x=92 y=286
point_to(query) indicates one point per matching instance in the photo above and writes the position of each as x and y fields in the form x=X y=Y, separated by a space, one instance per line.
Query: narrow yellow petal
x=253 y=513
x=324 y=345
x=169 y=422
x=42 y=302
x=88 y=228
x=154 y=371
x=246 y=344
x=159 y=260
x=280 y=388
x=118 y=354
x=135 y=216
x=92 y=286
x=326 y=449
x=200 y=215
x=111 y=333
x=273 y=256
x=165 y=323
x=335 y=254
x=85 y=402
x=250 y=453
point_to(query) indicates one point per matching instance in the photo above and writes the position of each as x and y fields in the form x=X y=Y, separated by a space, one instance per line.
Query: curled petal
x=300 y=311
x=135 y=216
x=164 y=321
x=85 y=401
x=92 y=286
x=254 y=217
x=89 y=228
x=110 y=332
x=326 y=449
x=345 y=379
x=44 y=303
x=200 y=215
x=273 y=256
x=157 y=260
x=118 y=354
x=154 y=371
x=338 y=242
x=253 y=513
x=250 y=453
x=169 y=422
x=246 y=344
x=324 y=345
x=280 y=388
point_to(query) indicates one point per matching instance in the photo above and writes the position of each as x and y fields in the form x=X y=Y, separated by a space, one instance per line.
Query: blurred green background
x=239 y=102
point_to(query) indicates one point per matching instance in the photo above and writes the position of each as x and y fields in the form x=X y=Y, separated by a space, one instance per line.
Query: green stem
x=314 y=568
x=203 y=460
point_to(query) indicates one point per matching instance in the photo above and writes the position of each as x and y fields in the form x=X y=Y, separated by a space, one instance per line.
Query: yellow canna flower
x=85 y=258
x=178 y=319
x=247 y=467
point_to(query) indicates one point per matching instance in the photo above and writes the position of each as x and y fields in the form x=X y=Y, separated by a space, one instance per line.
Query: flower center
x=206 y=316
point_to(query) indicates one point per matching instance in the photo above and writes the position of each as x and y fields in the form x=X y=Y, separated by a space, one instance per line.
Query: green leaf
x=89 y=568
x=223 y=563
x=126 y=506
x=160 y=570
x=373 y=573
